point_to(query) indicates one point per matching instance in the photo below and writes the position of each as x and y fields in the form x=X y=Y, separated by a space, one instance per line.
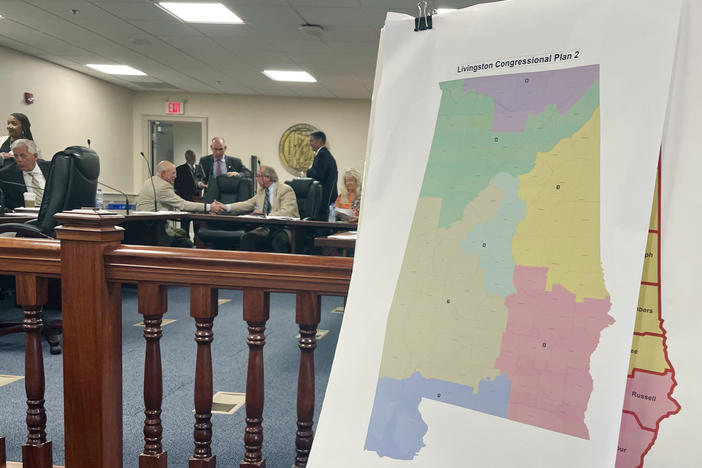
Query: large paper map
x=501 y=298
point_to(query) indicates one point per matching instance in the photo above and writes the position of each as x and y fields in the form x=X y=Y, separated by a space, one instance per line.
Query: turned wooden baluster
x=32 y=293
x=256 y=313
x=307 y=316
x=203 y=308
x=153 y=303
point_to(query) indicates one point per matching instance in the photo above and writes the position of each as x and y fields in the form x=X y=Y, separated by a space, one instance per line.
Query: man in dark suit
x=186 y=183
x=323 y=167
x=28 y=174
x=218 y=163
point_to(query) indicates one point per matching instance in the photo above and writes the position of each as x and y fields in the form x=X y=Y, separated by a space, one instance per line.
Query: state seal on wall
x=294 y=148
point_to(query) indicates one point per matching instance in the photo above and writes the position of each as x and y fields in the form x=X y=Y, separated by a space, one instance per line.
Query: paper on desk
x=284 y=218
x=344 y=214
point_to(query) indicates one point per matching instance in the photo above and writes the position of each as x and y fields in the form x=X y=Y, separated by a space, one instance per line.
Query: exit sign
x=175 y=107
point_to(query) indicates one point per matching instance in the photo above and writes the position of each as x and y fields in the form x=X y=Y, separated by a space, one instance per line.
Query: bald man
x=167 y=199
x=219 y=163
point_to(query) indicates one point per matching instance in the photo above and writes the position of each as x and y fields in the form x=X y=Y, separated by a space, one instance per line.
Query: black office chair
x=309 y=198
x=71 y=183
x=226 y=190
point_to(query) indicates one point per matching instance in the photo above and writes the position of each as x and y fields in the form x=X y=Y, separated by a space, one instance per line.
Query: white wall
x=254 y=124
x=69 y=108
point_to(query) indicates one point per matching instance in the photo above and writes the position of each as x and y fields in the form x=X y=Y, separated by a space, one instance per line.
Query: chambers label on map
x=552 y=57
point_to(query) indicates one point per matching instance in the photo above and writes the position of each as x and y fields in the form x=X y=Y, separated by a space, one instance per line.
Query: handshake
x=217 y=207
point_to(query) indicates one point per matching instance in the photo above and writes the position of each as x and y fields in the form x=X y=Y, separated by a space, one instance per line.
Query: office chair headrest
x=228 y=184
x=85 y=160
x=301 y=186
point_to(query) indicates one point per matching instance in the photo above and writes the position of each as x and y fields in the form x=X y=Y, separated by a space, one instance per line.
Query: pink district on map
x=647 y=397
x=634 y=442
x=546 y=351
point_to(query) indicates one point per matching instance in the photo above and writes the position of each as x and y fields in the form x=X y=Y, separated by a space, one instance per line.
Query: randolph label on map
x=501 y=298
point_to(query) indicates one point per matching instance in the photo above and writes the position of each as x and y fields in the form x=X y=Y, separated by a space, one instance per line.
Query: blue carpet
x=178 y=350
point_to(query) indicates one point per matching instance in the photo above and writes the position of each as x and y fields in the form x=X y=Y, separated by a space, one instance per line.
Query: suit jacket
x=14 y=195
x=284 y=202
x=166 y=196
x=325 y=172
x=185 y=183
x=232 y=164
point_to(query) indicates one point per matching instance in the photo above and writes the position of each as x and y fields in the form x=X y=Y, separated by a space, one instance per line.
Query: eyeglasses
x=218 y=149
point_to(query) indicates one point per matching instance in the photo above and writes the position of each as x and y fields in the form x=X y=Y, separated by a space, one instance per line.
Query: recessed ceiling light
x=116 y=69
x=444 y=10
x=215 y=13
x=282 y=75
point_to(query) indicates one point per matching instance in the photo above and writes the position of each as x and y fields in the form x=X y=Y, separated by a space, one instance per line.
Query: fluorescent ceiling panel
x=297 y=76
x=214 y=13
x=116 y=69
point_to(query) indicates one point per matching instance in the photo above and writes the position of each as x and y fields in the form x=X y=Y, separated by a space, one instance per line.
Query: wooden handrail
x=226 y=269
x=38 y=256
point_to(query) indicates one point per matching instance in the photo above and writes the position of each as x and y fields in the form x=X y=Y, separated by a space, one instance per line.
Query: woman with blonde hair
x=350 y=196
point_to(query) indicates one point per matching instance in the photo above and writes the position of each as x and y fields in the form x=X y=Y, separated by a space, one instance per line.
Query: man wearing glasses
x=218 y=163
x=272 y=198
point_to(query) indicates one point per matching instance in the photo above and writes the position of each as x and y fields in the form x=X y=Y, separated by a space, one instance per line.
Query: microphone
x=151 y=178
x=126 y=198
x=89 y=145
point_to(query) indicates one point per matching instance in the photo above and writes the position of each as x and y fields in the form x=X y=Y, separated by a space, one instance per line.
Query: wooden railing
x=92 y=265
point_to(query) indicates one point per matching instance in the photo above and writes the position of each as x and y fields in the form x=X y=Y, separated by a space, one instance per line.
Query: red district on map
x=546 y=351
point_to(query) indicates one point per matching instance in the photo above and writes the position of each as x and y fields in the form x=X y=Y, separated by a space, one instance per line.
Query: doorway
x=169 y=140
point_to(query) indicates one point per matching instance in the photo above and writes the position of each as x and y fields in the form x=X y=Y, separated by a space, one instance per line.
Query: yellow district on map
x=650 y=268
x=648 y=354
x=464 y=339
x=654 y=210
x=647 y=320
x=561 y=229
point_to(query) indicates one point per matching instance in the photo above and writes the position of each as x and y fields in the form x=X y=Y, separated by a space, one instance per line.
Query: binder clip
x=423 y=21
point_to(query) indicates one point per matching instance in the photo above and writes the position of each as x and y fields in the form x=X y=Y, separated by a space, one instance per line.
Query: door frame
x=146 y=120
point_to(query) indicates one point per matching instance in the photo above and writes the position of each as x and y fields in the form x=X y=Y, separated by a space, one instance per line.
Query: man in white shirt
x=28 y=174
x=272 y=198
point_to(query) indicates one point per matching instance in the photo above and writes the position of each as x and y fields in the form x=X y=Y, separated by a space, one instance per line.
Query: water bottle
x=99 y=203
x=332 y=215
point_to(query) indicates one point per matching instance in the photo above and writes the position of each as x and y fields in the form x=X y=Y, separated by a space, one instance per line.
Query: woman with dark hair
x=18 y=126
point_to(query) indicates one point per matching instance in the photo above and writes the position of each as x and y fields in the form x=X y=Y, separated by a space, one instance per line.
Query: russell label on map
x=506 y=240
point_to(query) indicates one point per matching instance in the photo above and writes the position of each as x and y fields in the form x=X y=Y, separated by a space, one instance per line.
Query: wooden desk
x=297 y=227
x=16 y=218
x=341 y=240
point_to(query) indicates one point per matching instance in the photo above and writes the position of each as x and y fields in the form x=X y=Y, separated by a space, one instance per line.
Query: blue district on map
x=396 y=428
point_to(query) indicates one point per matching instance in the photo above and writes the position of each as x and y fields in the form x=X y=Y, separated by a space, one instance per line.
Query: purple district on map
x=520 y=95
x=396 y=427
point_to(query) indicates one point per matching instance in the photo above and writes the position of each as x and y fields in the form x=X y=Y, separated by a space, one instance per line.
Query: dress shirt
x=38 y=176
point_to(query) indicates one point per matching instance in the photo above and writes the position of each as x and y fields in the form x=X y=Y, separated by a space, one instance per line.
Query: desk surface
x=341 y=240
x=16 y=218
x=338 y=226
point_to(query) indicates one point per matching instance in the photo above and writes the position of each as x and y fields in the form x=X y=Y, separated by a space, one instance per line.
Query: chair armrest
x=23 y=230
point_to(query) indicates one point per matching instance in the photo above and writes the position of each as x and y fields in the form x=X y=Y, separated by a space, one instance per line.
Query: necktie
x=218 y=170
x=266 y=203
x=36 y=188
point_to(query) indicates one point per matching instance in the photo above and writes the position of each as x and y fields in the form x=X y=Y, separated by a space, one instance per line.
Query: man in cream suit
x=160 y=188
x=272 y=199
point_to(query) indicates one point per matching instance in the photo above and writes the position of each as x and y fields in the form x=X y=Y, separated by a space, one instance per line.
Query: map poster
x=505 y=212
